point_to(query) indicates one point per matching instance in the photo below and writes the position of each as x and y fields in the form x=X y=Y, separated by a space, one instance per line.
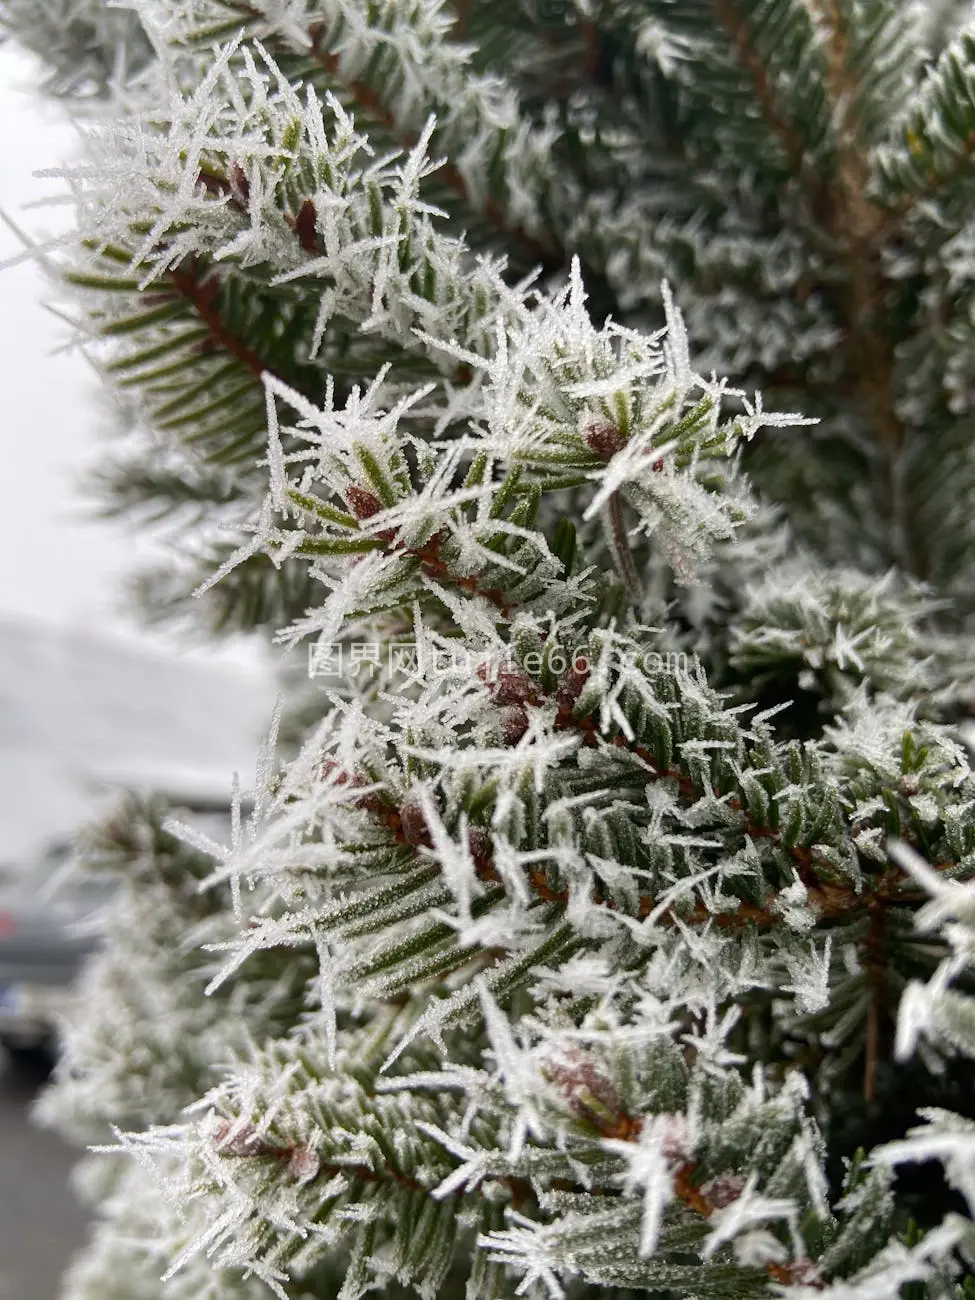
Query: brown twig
x=859 y=227
x=737 y=29
x=202 y=295
x=621 y=547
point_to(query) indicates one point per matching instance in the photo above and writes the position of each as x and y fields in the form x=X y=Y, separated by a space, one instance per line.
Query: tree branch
x=829 y=901
x=737 y=29
x=859 y=225
x=201 y=294
x=550 y=256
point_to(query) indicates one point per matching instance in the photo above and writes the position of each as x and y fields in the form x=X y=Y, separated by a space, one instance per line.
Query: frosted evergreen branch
x=91 y=51
x=398 y=68
x=637 y=828
x=930 y=155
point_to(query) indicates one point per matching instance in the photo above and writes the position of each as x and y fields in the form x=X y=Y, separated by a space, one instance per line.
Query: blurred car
x=48 y=925
x=50 y=921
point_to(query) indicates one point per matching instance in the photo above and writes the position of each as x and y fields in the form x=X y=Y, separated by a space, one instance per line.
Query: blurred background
x=89 y=701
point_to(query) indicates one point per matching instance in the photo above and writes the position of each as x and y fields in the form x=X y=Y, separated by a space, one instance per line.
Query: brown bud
x=414 y=825
x=479 y=843
x=331 y=770
x=374 y=802
x=604 y=439
x=304 y=1164
x=363 y=503
x=658 y=465
x=239 y=183
x=723 y=1190
x=590 y=1094
x=514 y=723
x=513 y=687
x=241 y=1140
x=572 y=685
x=306 y=227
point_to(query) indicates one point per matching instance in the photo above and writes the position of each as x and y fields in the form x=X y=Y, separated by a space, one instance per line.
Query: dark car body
x=51 y=915
x=48 y=926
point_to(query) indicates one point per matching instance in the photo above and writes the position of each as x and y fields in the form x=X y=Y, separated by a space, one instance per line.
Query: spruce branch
x=930 y=155
x=527 y=963
x=736 y=26
x=859 y=226
x=414 y=87
x=200 y=294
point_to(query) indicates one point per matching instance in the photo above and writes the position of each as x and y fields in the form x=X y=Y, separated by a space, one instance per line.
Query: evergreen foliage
x=608 y=927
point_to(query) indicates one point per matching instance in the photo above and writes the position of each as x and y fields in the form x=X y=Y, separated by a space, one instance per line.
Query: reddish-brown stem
x=621 y=547
x=737 y=29
x=434 y=566
x=463 y=8
x=202 y=295
x=829 y=901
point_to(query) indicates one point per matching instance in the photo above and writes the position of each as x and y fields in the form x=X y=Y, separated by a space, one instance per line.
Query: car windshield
x=55 y=873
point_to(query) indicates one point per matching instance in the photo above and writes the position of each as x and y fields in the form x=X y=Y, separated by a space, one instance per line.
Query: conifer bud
x=514 y=723
x=306 y=227
x=330 y=771
x=604 y=439
x=304 y=1164
x=572 y=685
x=414 y=825
x=513 y=687
x=241 y=1140
x=363 y=503
x=479 y=844
x=590 y=1094
x=722 y=1190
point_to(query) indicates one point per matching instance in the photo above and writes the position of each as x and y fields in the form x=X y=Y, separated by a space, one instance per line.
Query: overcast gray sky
x=54 y=563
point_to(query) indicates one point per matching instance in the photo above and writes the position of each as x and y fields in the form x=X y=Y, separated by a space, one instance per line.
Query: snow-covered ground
x=79 y=713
